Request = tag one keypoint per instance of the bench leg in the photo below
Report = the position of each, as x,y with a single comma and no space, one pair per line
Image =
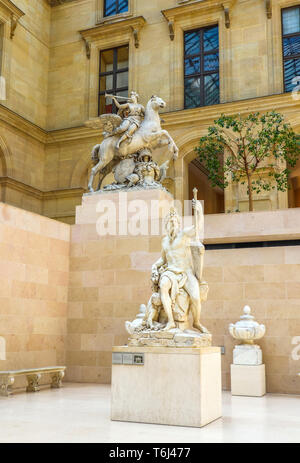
33,382
57,379
6,385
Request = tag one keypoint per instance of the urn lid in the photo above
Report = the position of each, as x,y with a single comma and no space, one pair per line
247,329
247,320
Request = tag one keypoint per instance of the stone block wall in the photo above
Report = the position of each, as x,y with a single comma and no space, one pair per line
63,303
34,273
268,280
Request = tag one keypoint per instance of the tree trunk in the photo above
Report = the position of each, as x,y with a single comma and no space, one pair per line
250,194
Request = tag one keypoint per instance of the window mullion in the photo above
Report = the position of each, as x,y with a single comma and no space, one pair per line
202,95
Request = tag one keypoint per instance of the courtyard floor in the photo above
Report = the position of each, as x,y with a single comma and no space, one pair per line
81,413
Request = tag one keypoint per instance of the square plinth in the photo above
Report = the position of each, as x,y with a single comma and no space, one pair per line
174,386
247,354
248,380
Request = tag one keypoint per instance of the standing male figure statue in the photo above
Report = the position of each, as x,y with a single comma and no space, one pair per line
175,269
132,113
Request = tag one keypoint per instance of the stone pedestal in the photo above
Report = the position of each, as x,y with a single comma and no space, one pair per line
123,207
247,354
110,275
174,386
248,380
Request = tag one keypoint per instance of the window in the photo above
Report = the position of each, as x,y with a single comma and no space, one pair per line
291,45
112,7
113,77
201,67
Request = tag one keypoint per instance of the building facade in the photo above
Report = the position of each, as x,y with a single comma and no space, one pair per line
204,58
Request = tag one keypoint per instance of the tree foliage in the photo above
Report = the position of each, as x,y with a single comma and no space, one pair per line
257,149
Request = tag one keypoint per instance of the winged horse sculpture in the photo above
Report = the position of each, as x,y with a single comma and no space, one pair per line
148,136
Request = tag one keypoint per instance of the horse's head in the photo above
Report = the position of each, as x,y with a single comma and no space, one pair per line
157,103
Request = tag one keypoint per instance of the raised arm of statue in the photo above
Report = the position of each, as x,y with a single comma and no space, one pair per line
118,105
199,217
190,232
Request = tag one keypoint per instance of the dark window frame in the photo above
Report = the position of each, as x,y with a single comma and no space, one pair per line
202,53
114,73
284,36
117,9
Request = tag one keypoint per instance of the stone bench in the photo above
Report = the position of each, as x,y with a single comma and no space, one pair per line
33,375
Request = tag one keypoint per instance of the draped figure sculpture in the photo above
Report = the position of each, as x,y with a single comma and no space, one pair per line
178,289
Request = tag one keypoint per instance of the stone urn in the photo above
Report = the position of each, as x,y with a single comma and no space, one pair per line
247,330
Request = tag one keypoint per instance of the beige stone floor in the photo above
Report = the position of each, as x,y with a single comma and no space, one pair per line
81,413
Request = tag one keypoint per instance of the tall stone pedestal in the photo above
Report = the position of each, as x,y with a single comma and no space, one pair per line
165,385
109,276
248,380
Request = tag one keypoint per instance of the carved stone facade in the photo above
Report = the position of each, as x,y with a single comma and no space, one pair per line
44,155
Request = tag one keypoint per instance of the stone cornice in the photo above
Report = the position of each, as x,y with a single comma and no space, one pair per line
113,26
13,13
12,8
191,117
184,10
39,194
58,2
15,120
281,102
192,7
188,117
70,134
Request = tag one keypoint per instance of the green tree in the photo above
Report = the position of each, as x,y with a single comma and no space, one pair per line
257,149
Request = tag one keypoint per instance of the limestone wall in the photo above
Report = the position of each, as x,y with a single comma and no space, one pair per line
27,61
110,277
268,280
34,270
61,305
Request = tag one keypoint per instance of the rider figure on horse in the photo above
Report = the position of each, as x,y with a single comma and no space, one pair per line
132,113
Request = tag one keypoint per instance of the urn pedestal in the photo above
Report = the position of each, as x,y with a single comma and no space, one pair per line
165,385
248,376
249,380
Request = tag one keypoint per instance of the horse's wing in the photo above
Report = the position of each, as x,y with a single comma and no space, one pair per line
94,123
113,119
102,121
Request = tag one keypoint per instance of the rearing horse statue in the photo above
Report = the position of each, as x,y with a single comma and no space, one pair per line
149,136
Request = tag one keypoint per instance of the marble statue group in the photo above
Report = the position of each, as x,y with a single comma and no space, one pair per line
172,314
129,137
177,289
